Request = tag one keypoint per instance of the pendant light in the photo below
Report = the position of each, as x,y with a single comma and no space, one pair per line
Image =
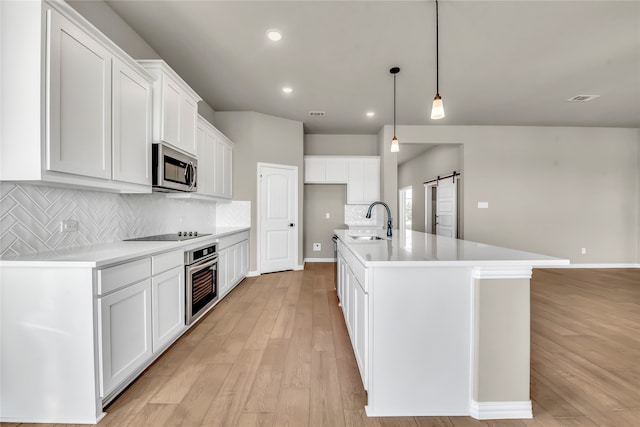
395,147
437,110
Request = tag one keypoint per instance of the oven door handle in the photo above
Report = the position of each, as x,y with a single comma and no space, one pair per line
202,265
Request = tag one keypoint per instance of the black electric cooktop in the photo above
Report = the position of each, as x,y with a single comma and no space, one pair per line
171,237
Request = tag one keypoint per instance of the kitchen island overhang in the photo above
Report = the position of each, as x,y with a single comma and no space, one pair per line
439,326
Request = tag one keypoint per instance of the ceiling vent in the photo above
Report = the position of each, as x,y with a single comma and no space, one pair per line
583,98
317,113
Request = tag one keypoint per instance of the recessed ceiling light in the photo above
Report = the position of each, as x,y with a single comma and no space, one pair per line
370,114
287,89
274,35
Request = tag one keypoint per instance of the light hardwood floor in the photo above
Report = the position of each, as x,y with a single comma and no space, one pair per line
276,352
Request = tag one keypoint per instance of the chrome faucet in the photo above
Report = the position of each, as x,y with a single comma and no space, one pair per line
389,225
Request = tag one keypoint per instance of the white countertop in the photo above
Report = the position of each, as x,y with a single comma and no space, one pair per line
104,254
412,249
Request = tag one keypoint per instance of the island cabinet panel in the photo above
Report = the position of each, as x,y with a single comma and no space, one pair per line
47,370
421,341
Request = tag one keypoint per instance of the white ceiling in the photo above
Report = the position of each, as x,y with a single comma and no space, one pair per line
501,62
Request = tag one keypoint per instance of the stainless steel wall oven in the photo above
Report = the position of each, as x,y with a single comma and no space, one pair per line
201,277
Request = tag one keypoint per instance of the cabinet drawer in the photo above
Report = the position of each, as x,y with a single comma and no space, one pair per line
166,261
112,278
231,240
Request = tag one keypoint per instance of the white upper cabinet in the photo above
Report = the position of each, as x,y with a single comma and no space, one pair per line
325,170
131,124
215,161
175,108
363,185
75,107
79,76
360,173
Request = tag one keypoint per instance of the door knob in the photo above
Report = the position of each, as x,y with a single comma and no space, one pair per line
291,225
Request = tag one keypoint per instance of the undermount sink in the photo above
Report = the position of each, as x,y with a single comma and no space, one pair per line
367,238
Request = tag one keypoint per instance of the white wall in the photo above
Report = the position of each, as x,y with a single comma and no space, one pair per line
267,139
552,190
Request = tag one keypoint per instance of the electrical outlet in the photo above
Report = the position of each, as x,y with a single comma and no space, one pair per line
317,247
327,215
68,225
583,251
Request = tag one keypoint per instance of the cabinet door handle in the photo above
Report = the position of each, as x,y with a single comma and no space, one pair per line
292,225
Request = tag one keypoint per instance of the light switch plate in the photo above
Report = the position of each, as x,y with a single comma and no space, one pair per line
483,205
327,215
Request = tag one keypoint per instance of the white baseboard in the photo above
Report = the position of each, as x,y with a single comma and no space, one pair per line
253,273
320,260
590,266
501,410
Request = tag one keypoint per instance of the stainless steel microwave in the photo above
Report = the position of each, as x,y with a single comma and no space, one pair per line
173,171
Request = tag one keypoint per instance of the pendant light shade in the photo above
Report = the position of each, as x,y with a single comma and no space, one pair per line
395,147
437,109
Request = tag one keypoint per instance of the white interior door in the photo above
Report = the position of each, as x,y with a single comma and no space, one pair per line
446,208
277,217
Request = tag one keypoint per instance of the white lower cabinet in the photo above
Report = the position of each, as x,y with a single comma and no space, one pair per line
168,292
233,264
361,328
355,307
125,321
141,305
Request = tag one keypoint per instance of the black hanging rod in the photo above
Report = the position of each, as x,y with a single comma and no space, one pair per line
440,178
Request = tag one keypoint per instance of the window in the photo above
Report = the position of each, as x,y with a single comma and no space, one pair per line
406,208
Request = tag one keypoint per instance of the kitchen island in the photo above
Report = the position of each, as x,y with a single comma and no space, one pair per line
439,326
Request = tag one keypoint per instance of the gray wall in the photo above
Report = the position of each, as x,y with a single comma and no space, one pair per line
322,199
552,190
340,145
440,160
267,139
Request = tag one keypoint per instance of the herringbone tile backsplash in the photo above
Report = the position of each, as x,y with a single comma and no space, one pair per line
30,217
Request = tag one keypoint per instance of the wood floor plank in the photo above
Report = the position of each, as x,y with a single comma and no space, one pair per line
293,407
152,415
256,419
297,371
433,422
178,385
192,410
227,407
263,395
127,406
326,403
